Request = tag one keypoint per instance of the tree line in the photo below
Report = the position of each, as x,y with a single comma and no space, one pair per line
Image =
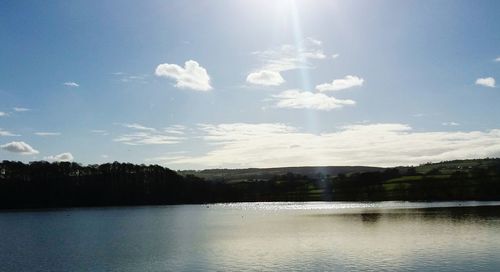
68,184
42,184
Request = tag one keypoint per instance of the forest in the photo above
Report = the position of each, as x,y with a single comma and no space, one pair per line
41,184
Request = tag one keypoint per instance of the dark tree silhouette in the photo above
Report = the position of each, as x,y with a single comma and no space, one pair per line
42,184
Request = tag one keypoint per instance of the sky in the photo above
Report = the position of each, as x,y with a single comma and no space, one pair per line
256,83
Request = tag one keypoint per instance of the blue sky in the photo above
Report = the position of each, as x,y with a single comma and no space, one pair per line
203,84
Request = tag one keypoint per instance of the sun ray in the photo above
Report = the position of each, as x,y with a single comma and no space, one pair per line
305,81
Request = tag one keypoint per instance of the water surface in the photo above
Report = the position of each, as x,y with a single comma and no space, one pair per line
315,236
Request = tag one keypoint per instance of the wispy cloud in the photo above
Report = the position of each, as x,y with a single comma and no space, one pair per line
101,132
2,114
21,148
71,84
44,133
486,82
143,135
20,109
167,157
334,56
7,133
192,76
63,157
341,84
296,99
145,138
497,59
284,58
450,124
288,57
314,41
125,77
138,127
272,144
175,129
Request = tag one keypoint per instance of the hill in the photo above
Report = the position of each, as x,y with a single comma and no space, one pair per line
252,174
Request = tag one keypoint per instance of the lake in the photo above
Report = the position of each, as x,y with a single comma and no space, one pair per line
313,236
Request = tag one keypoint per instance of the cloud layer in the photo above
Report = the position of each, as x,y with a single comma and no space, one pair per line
273,144
192,76
20,148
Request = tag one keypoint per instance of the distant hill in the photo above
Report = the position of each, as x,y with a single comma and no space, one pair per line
473,179
458,165
250,174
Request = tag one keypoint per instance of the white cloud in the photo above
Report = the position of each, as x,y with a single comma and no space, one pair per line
20,148
284,58
71,84
175,129
20,109
486,82
7,133
497,59
334,56
266,78
100,132
124,77
175,155
314,41
288,57
295,99
192,76
273,145
450,124
145,138
138,127
150,136
341,84
2,114
63,157
134,78
44,133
